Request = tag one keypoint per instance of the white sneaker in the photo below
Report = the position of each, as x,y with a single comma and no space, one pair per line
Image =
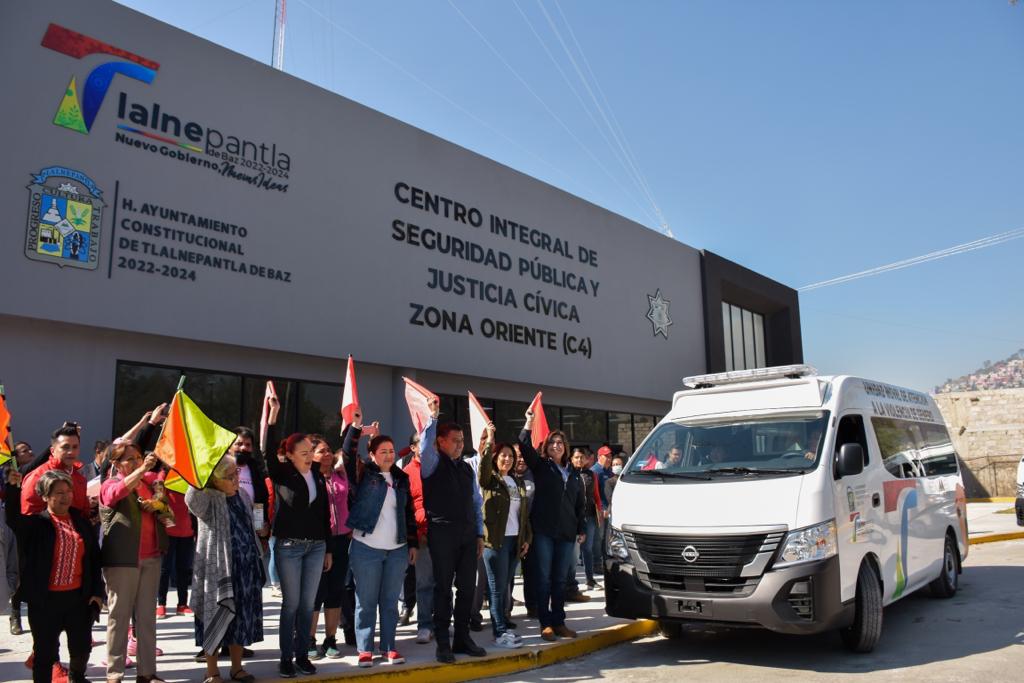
424,635
507,641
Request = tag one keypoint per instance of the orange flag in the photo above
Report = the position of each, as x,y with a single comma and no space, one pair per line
349,397
540,421
417,397
5,431
478,420
268,394
191,443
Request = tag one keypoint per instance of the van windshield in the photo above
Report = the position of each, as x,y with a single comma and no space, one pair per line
772,445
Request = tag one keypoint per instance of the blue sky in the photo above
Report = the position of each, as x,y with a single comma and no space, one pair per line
804,140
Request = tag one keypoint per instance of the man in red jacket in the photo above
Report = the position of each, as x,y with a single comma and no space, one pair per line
424,567
64,446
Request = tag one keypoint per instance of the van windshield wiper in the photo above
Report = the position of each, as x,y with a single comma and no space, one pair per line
751,470
671,475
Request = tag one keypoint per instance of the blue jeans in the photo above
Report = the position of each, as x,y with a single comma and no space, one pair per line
500,564
424,589
587,547
379,576
271,567
300,562
552,559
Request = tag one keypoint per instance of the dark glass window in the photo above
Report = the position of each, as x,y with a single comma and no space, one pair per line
620,432
585,427
218,396
140,388
319,406
642,426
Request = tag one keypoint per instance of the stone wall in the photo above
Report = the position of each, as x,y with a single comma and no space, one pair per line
988,432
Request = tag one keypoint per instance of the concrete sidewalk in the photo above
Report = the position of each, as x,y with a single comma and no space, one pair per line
175,637
987,522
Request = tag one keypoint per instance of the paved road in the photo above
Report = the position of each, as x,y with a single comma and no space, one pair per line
977,635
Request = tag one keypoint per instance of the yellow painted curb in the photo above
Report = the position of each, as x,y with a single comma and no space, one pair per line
500,664
992,538
997,499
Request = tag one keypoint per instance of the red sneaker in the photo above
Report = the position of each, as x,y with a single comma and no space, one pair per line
365,660
394,658
31,660
183,609
59,674
161,612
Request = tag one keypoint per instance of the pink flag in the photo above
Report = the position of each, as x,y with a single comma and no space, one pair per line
478,420
417,398
265,415
349,397
540,422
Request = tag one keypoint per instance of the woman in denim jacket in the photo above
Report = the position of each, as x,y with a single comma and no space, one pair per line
383,538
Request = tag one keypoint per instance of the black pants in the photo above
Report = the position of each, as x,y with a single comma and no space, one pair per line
63,611
453,553
409,589
180,551
330,594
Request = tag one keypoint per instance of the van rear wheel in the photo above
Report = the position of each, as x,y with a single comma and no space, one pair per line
863,634
945,585
672,630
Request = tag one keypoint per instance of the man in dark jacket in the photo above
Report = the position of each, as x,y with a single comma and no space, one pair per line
455,532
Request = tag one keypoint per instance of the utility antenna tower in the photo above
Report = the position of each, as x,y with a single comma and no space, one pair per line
280,19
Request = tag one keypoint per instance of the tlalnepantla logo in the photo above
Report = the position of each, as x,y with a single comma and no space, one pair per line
78,113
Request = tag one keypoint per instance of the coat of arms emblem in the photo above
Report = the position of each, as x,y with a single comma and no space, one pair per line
65,212
658,313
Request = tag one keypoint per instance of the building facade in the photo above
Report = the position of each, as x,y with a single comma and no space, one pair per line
176,208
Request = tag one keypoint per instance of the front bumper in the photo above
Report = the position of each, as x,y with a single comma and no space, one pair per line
768,606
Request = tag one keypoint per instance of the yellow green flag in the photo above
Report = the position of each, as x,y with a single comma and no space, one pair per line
191,444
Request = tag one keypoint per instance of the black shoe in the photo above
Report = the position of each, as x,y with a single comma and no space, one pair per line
200,656
16,629
305,666
405,618
511,624
466,646
476,625
444,653
286,669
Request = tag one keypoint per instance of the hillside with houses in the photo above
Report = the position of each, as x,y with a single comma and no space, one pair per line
1003,374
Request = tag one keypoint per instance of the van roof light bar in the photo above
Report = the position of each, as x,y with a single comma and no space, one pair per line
752,375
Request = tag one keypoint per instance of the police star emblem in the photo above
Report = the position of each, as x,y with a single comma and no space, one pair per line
658,313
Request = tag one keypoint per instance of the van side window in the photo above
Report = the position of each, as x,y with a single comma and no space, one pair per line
906,445
851,430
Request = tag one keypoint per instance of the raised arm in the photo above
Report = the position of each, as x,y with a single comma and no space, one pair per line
526,448
276,470
429,457
485,469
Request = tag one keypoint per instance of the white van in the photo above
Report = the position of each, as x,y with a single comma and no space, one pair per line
780,499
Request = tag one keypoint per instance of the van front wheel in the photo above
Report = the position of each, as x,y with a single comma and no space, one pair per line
863,634
949,579
672,630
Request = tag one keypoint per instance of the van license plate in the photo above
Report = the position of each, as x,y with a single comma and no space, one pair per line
700,607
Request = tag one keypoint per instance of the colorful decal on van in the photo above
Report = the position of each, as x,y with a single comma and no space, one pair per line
901,495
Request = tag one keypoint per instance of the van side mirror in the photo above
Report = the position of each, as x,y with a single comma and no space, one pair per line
850,460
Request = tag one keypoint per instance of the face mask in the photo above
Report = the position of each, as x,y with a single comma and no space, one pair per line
616,469
243,457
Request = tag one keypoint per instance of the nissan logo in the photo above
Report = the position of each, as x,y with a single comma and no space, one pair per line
690,554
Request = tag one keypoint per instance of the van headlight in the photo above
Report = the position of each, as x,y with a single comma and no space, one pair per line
811,543
616,545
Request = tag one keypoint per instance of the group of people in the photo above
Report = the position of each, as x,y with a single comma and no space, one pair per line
334,532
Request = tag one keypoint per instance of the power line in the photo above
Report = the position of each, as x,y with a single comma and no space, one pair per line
440,94
924,258
619,135
543,103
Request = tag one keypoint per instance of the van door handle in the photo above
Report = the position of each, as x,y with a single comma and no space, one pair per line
876,500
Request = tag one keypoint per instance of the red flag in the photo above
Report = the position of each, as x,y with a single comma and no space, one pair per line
540,421
265,415
349,397
417,398
478,420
